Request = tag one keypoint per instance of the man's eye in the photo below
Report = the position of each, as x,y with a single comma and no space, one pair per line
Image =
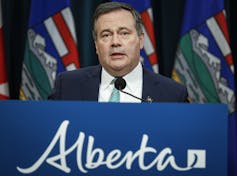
124,33
105,35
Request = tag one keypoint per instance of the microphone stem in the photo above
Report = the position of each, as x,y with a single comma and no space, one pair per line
133,96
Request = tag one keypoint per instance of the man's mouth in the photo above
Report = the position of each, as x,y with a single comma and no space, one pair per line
117,54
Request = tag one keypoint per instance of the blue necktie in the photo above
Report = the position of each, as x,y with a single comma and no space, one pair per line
115,96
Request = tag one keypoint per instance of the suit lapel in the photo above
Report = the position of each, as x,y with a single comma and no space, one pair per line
92,83
150,86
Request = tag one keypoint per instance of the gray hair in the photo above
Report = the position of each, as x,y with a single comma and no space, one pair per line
113,6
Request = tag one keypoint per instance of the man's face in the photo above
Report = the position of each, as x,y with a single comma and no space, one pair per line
118,44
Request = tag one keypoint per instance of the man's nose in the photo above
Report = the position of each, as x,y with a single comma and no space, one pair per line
116,41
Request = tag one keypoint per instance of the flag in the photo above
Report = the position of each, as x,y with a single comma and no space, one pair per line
51,47
149,56
204,63
4,92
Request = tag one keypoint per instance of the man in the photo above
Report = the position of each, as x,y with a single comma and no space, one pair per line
118,38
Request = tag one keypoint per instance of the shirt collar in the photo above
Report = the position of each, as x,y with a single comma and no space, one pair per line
106,79
131,78
134,77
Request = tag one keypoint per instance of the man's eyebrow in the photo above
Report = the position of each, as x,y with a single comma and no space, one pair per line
124,28
105,30
119,29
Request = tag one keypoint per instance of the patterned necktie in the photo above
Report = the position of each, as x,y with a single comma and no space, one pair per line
115,96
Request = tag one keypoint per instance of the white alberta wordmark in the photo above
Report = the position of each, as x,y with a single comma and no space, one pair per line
95,157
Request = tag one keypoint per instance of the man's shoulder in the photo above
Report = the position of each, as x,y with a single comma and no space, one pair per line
163,83
158,78
163,88
85,71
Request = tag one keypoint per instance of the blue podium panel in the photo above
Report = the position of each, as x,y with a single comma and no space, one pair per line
104,139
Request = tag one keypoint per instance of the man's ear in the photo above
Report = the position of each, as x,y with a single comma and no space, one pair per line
141,38
96,47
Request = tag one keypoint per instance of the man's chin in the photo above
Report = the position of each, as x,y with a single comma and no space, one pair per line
119,71
118,67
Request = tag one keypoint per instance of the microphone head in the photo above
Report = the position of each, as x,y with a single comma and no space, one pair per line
120,83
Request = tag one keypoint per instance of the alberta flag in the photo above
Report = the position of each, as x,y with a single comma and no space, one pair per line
4,92
204,63
51,47
149,56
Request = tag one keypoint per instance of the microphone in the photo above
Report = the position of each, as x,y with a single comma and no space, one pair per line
120,84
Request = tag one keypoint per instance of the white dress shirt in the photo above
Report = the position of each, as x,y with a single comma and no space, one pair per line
134,86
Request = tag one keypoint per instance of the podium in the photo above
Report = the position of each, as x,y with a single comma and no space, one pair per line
112,139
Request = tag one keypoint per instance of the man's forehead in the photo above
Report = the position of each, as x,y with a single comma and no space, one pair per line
119,19
117,15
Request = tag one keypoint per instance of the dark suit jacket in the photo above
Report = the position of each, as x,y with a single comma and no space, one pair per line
83,84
